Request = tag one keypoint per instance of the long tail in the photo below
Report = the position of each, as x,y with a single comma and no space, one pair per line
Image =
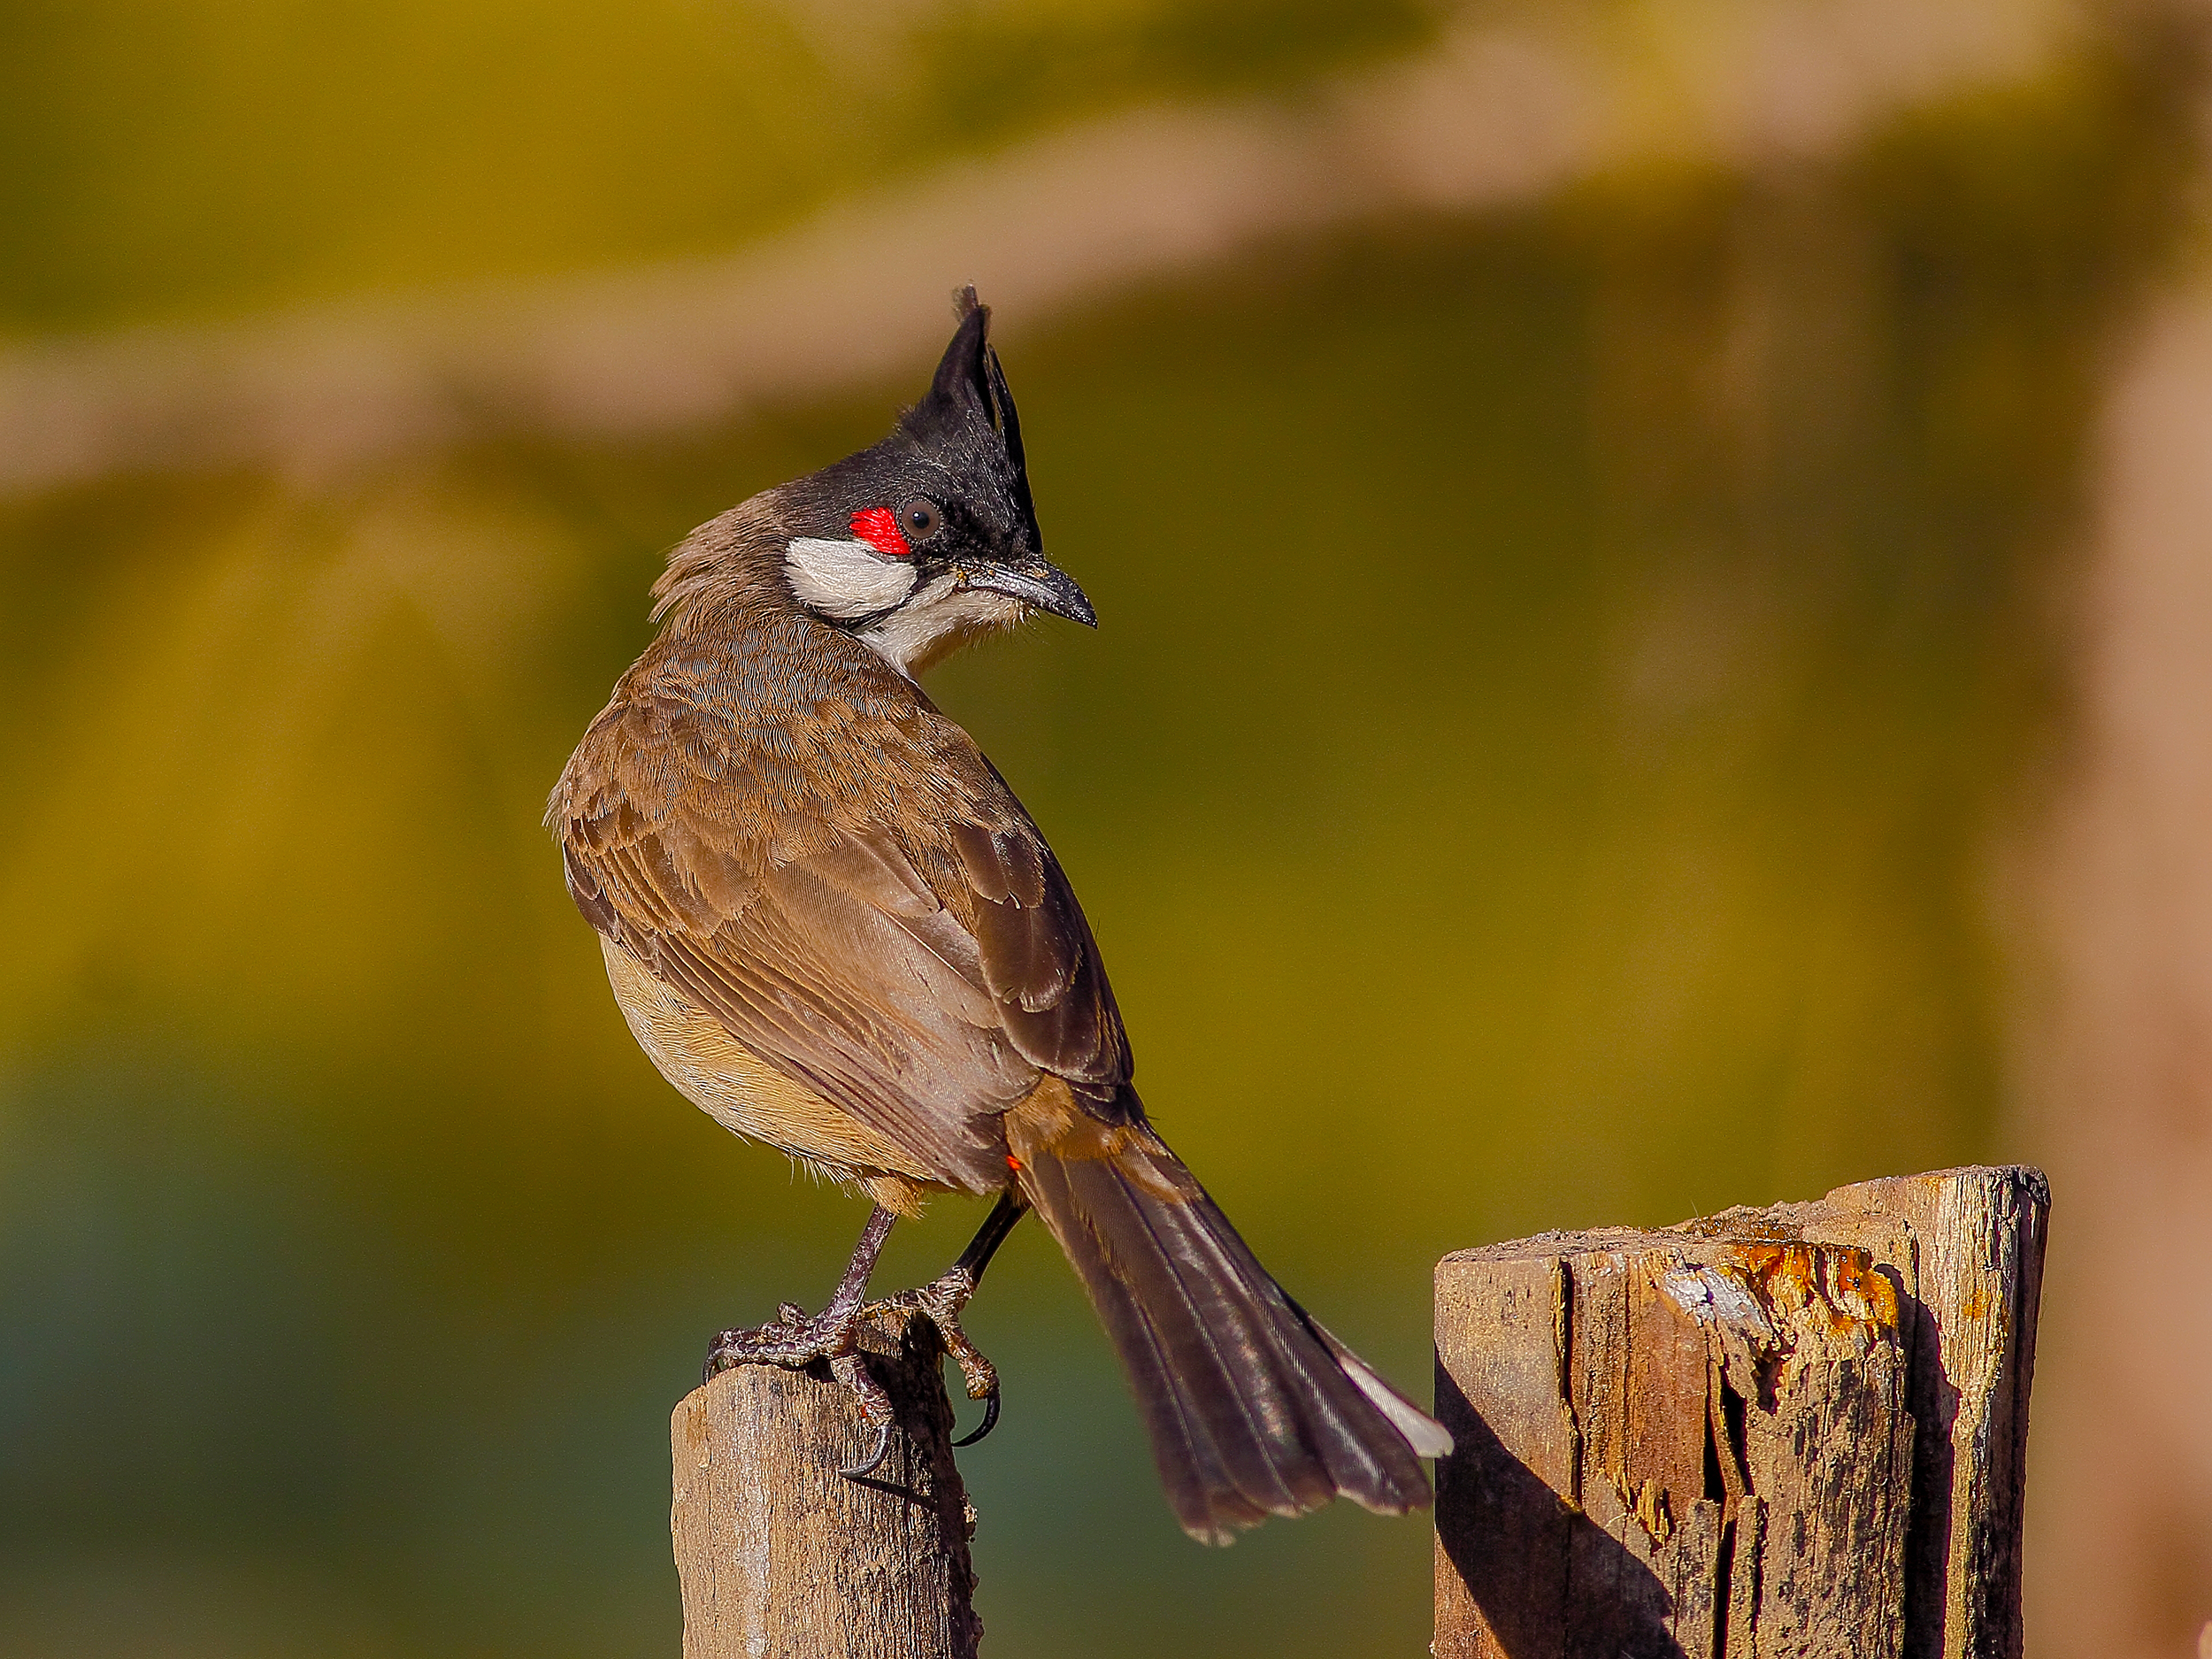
1253,1409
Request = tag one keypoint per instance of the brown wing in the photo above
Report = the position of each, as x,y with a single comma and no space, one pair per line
859,898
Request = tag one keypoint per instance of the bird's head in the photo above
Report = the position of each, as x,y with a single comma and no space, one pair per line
929,538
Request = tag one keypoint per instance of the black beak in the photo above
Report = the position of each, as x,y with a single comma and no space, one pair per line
1038,583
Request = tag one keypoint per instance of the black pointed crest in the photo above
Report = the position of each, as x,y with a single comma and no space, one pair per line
970,386
963,366
1010,429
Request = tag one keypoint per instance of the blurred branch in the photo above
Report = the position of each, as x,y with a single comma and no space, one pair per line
2115,1047
1491,118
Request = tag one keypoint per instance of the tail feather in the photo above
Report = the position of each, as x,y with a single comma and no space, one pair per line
1253,1409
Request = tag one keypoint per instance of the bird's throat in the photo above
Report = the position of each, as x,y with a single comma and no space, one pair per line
940,618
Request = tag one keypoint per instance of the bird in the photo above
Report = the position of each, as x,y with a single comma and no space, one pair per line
832,925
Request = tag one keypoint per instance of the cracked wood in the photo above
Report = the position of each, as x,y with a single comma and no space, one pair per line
1788,1432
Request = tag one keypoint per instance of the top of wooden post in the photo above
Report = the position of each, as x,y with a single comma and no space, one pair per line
778,1553
1929,1281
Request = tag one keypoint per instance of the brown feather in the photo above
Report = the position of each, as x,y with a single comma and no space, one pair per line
1251,1411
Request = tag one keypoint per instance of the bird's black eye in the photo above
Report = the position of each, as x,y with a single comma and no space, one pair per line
920,518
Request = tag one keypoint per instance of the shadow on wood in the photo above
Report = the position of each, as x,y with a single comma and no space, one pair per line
1790,1431
778,1554
1496,1516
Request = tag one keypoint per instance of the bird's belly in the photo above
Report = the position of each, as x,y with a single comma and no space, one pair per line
746,1095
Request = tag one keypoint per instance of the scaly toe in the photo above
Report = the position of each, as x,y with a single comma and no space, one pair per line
791,1339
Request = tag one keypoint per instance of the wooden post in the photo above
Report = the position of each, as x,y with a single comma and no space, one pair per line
1797,1430
780,1554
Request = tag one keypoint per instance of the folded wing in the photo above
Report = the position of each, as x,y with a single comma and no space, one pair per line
920,963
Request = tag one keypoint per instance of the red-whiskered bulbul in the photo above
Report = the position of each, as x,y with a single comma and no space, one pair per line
832,927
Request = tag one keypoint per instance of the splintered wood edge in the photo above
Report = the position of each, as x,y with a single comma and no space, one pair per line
1802,1220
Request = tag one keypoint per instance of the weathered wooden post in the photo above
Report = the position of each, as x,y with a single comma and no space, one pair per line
780,1556
1796,1431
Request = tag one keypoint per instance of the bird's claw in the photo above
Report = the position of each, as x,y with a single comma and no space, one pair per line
874,1461
990,1422
939,1302
794,1338
851,1369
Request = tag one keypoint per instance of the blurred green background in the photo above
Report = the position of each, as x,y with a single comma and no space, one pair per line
1570,683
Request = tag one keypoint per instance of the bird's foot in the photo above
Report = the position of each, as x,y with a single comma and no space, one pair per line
794,1339
939,1302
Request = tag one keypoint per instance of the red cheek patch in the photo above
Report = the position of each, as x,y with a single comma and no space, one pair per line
879,527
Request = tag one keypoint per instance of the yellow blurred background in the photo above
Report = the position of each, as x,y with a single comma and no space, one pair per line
1656,627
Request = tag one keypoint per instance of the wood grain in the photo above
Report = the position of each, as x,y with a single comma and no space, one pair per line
780,1554
1786,1432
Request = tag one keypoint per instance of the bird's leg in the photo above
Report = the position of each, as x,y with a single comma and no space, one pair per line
940,1301
791,1339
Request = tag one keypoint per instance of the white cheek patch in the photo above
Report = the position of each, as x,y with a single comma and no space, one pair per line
845,579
